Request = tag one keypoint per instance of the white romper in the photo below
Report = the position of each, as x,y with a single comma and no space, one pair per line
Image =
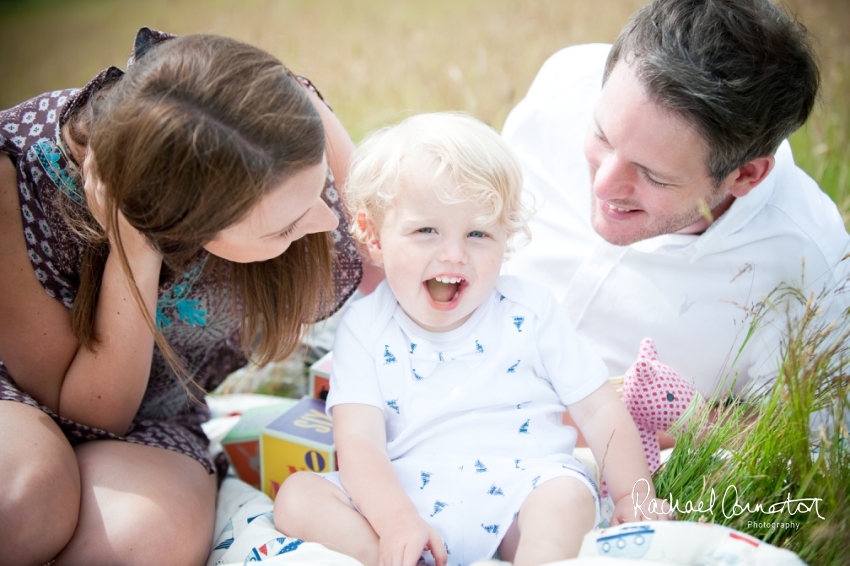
473,414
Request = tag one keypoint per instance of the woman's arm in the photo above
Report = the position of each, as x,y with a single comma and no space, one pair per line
337,141
339,150
614,440
369,478
36,342
101,389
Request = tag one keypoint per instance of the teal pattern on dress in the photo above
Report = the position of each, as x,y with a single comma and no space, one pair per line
187,309
49,155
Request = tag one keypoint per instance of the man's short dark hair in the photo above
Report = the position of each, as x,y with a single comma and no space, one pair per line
741,71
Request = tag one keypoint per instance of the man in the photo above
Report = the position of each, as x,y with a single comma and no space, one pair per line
667,202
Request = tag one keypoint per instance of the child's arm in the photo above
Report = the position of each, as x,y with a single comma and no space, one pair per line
616,445
368,477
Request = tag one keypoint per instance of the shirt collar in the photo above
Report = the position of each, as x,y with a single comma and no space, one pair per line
737,217
427,350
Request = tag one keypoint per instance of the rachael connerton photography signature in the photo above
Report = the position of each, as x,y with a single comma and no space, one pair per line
731,504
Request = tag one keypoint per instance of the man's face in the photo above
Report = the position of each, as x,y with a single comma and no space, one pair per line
647,167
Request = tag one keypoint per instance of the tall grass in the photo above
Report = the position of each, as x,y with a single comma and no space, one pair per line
378,61
783,456
822,146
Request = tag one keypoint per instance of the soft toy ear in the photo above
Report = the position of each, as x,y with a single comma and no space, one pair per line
647,350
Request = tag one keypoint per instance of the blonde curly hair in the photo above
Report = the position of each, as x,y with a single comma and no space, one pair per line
473,155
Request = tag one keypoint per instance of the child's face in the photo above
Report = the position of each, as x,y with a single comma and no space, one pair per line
422,240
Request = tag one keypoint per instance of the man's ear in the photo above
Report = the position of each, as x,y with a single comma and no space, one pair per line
373,240
747,177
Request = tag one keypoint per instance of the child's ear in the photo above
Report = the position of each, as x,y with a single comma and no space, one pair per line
373,240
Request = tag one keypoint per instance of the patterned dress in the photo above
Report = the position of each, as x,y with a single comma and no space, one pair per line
193,310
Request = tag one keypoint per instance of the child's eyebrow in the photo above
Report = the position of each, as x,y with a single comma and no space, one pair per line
418,221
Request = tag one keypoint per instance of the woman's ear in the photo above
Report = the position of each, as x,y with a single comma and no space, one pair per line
373,240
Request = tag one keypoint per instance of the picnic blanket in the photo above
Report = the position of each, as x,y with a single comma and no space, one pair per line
244,529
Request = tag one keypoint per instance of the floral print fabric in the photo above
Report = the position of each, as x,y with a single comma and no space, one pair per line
194,310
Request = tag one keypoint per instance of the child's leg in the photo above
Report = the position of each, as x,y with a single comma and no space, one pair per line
551,523
311,508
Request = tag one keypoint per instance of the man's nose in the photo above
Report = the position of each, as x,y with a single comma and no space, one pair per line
614,179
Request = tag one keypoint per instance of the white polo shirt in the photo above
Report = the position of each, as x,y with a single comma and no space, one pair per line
687,292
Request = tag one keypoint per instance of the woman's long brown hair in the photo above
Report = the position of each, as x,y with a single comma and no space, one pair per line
186,143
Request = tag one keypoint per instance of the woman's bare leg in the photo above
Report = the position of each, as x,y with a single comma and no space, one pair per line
311,508
551,524
141,505
40,495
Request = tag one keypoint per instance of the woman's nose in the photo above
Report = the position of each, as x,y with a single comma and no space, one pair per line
321,219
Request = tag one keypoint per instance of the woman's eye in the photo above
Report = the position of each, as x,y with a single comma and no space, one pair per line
477,234
286,233
426,230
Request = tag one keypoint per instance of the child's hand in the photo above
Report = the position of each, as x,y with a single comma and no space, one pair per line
403,542
628,510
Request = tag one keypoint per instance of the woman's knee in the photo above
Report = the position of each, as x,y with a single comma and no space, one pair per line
141,505
40,499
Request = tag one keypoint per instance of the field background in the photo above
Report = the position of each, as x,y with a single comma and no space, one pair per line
377,61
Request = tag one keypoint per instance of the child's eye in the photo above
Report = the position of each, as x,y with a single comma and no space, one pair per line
426,230
477,234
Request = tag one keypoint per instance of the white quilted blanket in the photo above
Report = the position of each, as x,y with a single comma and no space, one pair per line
244,529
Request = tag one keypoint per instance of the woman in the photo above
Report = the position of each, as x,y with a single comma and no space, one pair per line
177,216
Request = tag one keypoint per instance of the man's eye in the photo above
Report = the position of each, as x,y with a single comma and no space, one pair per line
426,230
477,234
653,182
600,137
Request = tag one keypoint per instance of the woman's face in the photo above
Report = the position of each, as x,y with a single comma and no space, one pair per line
288,212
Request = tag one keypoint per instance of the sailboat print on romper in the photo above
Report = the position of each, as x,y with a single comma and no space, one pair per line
439,506
523,429
389,358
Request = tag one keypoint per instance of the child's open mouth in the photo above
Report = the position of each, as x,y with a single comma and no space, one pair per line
445,291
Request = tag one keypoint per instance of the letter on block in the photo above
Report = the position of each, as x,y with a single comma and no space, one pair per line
300,440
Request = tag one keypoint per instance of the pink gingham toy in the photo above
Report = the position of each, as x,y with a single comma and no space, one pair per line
656,397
